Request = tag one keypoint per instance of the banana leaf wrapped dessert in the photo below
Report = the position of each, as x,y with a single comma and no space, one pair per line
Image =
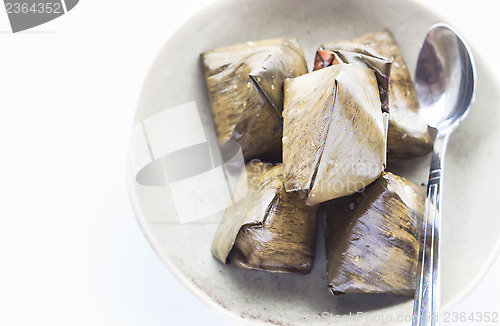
334,137
245,89
408,134
362,56
270,229
372,238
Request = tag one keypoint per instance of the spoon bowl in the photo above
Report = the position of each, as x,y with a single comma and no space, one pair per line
445,78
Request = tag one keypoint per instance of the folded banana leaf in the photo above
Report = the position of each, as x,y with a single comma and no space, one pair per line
270,229
334,137
245,89
372,238
363,56
408,134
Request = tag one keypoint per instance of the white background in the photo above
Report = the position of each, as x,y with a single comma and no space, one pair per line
71,252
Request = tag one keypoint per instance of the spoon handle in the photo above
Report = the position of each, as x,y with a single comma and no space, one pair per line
428,290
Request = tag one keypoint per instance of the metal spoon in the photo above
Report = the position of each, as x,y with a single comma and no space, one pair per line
445,82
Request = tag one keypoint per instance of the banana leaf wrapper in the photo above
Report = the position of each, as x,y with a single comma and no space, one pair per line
269,229
408,134
372,238
245,90
362,56
334,138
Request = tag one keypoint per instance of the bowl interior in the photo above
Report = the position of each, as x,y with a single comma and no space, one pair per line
470,227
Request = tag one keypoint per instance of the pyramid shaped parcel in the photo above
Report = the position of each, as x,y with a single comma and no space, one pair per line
334,136
245,89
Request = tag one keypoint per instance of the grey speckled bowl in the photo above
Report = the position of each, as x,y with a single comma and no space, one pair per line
470,219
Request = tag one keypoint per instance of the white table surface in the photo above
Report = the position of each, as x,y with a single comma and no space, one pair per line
71,252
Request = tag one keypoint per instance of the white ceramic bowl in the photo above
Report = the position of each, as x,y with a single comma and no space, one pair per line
470,222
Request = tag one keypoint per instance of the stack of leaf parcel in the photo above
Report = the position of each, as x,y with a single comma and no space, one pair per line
318,143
